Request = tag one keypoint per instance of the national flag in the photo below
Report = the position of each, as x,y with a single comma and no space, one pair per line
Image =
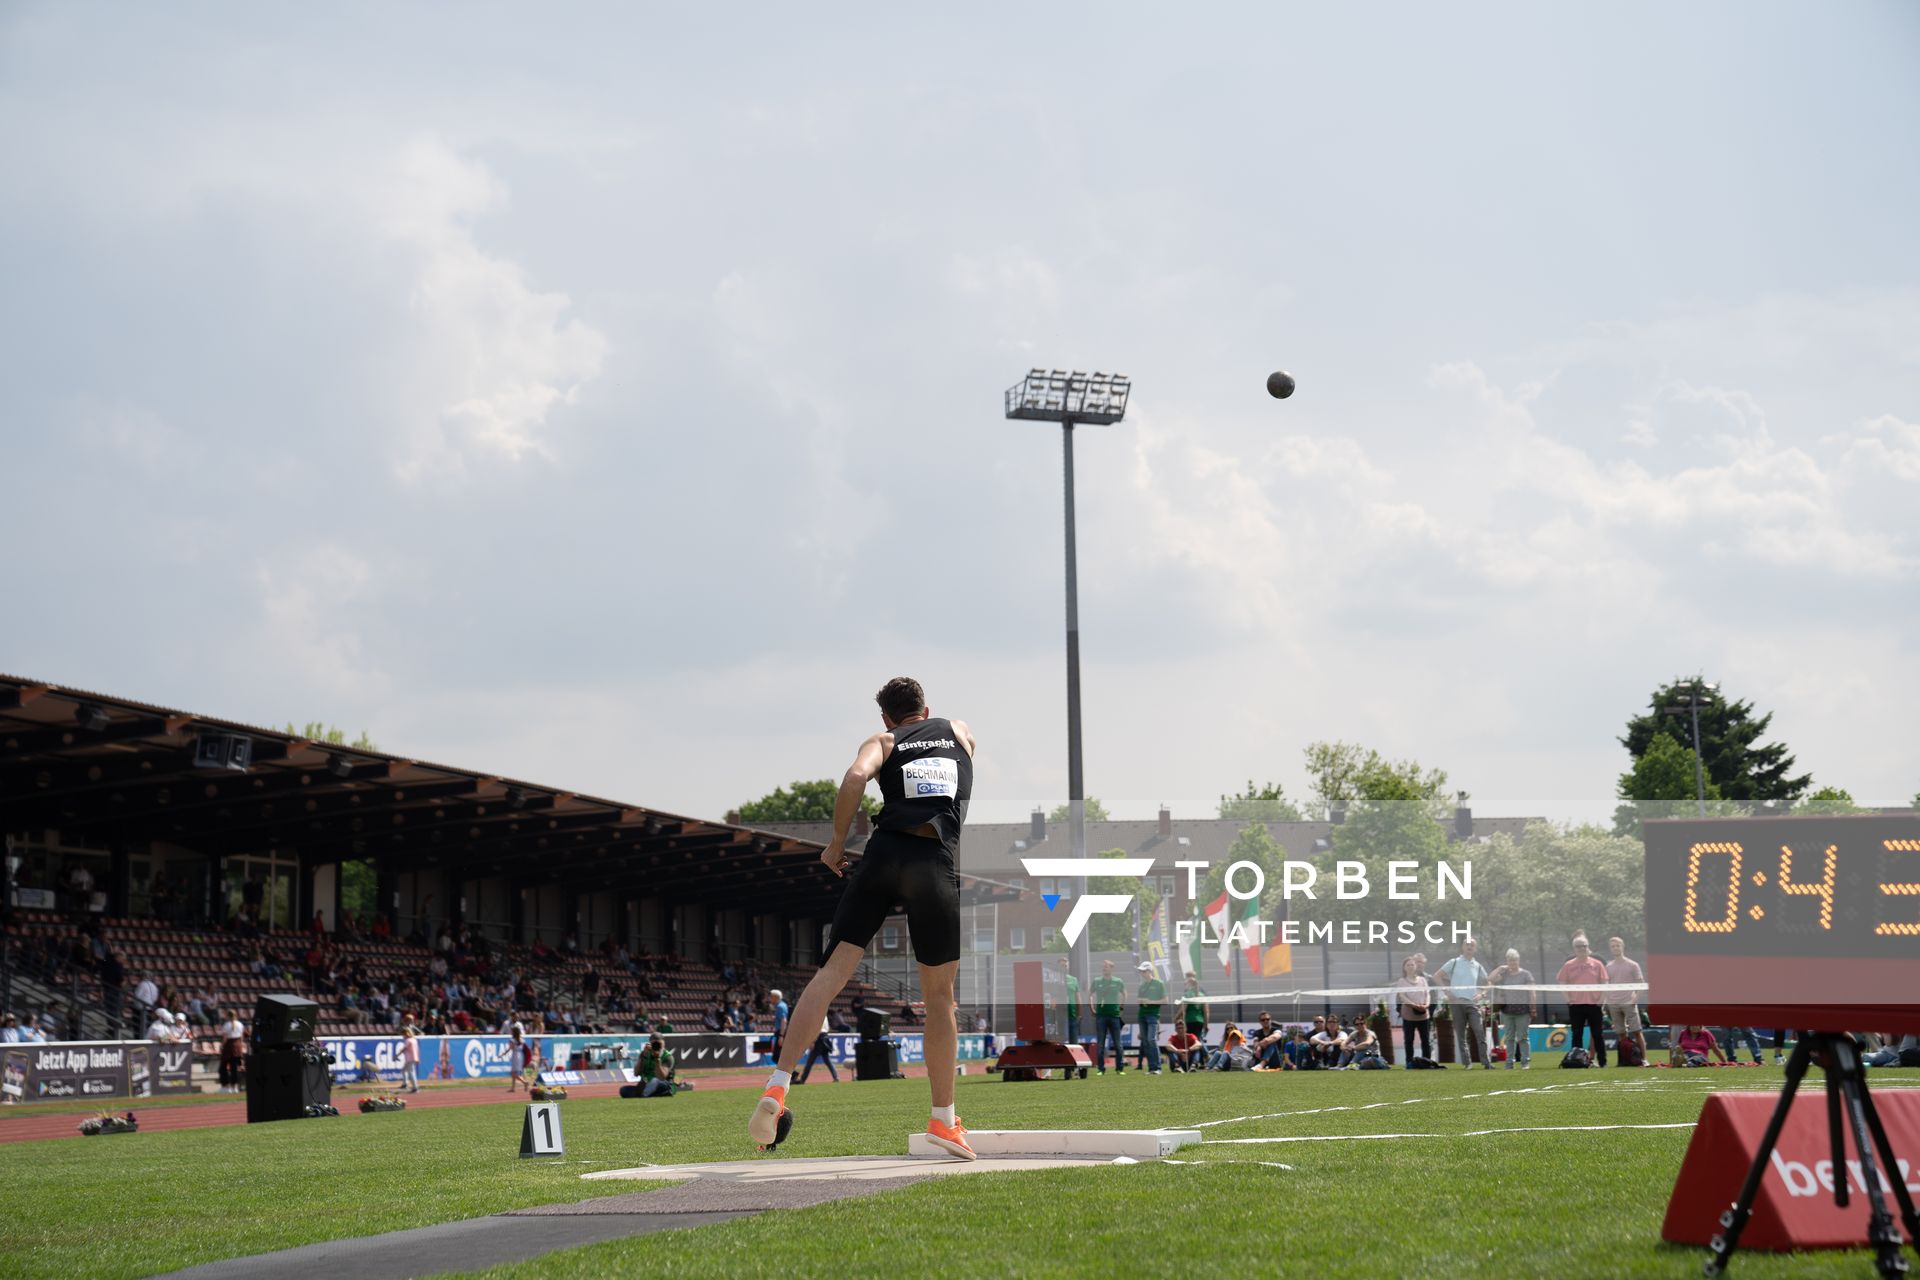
1224,913
1279,956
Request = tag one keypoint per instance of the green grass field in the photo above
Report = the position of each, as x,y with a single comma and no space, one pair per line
1454,1201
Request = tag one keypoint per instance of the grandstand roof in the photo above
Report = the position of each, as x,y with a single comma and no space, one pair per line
110,768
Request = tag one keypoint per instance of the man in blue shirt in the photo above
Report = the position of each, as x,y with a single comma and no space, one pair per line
779,1019
1464,979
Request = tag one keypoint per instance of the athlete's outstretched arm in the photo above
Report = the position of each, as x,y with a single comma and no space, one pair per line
866,763
964,732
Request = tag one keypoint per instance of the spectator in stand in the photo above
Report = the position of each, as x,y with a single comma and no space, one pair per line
1517,1009
160,1029
318,925
1695,1045
713,1019
1410,991
233,1050
1184,1049
1583,1010
112,974
203,1007
1623,1007
382,929
146,994
9,1029
1109,993
1464,979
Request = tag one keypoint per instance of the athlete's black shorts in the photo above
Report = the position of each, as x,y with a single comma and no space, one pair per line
897,870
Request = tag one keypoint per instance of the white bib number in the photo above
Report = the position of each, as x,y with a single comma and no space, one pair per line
935,776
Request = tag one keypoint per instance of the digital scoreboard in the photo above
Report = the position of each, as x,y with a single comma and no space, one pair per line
1810,923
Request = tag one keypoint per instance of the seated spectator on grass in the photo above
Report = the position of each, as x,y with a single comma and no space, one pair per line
1232,1053
1361,1042
1330,1045
1184,1049
1266,1041
1695,1045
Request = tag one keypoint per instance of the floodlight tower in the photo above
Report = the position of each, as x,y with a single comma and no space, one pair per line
1072,399
1691,695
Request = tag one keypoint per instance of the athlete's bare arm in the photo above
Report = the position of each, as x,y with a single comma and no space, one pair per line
866,763
965,735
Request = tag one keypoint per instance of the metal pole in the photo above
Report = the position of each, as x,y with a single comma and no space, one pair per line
1699,776
1076,790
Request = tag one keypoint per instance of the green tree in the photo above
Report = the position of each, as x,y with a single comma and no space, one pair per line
1661,777
1730,733
804,802
1533,891
333,735
1344,774
1096,812
1260,804
1115,933
1828,800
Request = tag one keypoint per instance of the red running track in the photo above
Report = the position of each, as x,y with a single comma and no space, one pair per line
21,1123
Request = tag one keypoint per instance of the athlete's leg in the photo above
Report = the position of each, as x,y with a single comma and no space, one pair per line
828,983
940,1037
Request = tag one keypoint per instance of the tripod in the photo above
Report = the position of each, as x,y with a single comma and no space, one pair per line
1847,1104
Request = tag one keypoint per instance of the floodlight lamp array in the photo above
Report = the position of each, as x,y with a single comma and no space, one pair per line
1057,395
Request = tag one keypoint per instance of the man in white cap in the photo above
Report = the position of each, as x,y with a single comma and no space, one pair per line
161,1028
1153,994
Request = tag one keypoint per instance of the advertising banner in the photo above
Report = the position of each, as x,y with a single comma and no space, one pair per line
92,1069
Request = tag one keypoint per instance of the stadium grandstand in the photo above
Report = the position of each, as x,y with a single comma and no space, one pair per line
158,858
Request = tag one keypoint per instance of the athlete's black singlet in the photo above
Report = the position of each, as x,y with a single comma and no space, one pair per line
927,778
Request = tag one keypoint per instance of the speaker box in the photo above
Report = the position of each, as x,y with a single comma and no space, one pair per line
875,1024
283,1020
283,1082
876,1060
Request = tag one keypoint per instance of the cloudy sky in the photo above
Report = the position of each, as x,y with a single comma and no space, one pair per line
610,395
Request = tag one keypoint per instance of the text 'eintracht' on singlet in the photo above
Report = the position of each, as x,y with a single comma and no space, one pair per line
927,778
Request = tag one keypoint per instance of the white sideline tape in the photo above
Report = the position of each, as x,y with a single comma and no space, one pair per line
1471,1133
1354,993
1404,1102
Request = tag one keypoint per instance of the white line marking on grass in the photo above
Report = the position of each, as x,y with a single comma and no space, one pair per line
1471,1133
1407,1102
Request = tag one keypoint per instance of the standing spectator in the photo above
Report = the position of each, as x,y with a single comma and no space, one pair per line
1583,1010
233,1049
1153,994
410,1058
820,1051
1464,979
780,1016
160,1030
1516,1009
145,995
1736,1036
519,1058
112,975
1623,1007
1416,1007
1109,993
80,882
1073,1000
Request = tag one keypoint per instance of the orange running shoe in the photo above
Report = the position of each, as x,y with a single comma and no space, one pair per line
951,1138
771,1120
